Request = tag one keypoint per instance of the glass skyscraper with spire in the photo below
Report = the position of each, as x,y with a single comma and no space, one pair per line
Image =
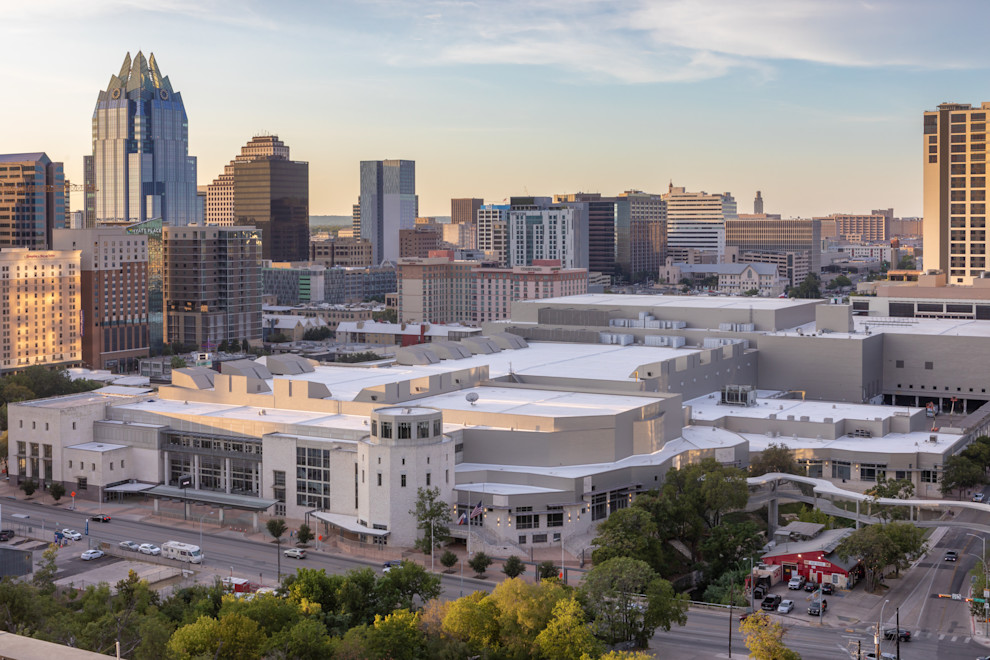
141,169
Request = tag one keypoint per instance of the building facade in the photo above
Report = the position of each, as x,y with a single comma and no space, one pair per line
420,240
294,284
114,328
141,164
338,251
220,193
493,233
696,220
539,230
212,285
762,233
41,303
33,200
601,229
873,228
640,233
954,169
464,210
388,203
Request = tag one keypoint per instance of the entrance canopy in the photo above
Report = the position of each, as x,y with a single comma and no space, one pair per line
348,523
246,502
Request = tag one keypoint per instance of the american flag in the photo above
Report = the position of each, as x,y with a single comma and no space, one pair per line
478,510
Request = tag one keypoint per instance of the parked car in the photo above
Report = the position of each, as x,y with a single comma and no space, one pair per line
149,549
785,606
71,534
884,655
92,554
296,553
796,582
827,588
891,633
771,602
811,586
817,607
129,545
389,565
951,555
6,535
101,517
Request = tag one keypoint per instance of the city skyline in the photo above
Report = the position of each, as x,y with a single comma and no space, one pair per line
818,105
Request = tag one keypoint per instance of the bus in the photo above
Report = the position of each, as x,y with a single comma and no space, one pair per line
182,552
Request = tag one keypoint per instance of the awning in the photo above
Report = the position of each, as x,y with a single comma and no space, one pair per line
133,487
347,522
248,502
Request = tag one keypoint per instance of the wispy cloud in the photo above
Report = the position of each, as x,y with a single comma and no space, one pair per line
641,41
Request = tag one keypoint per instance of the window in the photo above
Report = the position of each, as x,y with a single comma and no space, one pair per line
522,539
871,471
539,538
422,429
555,519
73,426
70,465
929,365
526,521
929,477
402,480
599,506
81,483
427,478
386,430
899,364
405,431
374,427
379,478
841,470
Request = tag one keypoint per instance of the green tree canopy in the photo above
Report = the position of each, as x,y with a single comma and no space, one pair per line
775,458
764,638
432,519
960,473
881,546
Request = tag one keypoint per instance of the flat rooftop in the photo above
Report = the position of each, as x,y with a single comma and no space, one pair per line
708,408
536,403
66,401
97,446
892,443
695,302
595,361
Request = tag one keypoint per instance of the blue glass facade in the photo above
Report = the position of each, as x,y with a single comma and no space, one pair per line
140,166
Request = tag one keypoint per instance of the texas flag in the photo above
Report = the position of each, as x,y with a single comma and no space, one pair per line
462,518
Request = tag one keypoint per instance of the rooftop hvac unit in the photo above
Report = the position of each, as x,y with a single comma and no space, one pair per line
738,395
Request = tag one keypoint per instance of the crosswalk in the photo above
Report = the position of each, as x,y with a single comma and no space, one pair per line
924,634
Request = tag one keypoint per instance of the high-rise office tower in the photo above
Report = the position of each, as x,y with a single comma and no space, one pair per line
33,200
640,234
212,285
493,232
220,193
540,230
696,220
141,168
464,209
758,204
601,229
388,203
271,193
114,274
89,206
955,145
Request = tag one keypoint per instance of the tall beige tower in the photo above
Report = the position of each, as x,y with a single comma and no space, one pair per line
955,143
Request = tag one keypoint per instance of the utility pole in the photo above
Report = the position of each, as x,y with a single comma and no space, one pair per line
731,586
898,624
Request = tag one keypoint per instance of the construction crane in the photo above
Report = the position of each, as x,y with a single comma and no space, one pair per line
72,187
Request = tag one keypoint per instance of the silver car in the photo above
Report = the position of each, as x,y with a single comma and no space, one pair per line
129,545
149,549
71,534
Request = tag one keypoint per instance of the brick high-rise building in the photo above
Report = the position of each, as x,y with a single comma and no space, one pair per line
420,240
872,228
33,200
465,209
955,185
348,252
40,306
212,285
220,193
114,295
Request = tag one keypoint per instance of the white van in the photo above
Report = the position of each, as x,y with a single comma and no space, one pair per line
182,552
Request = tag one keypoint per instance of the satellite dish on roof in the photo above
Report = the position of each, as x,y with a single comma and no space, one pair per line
471,397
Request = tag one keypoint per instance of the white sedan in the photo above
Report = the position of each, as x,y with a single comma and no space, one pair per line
92,554
149,549
785,606
129,545
72,534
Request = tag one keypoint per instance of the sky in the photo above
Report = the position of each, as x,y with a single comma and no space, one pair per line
817,104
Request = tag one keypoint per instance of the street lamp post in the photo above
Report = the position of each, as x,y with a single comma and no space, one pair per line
876,637
201,528
432,545
986,585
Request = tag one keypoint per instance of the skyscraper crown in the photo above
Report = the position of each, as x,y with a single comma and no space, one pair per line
138,78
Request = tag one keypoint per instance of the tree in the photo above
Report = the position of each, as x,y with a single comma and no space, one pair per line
234,636
727,544
808,514
29,486
899,489
629,601
306,640
399,588
513,567
809,288
960,473
178,362
524,609
277,528
388,315
881,546
318,334
56,490
245,346
629,532
396,636
547,570
278,338
44,575
567,636
479,563
710,282
474,619
304,535
432,519
764,638
751,292
448,559
906,263
775,458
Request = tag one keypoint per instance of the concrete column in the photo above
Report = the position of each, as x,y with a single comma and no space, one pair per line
254,521
166,469
186,509
226,474
195,467
772,514
220,512
857,514
155,503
